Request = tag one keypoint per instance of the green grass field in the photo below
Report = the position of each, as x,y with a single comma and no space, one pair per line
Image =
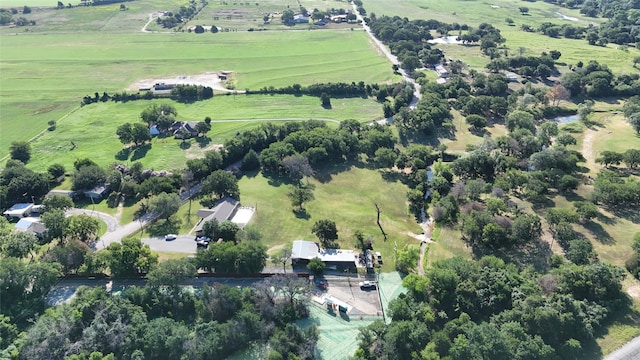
92,128
348,199
45,76
474,12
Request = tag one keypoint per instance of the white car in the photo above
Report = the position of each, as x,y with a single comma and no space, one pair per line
170,237
367,285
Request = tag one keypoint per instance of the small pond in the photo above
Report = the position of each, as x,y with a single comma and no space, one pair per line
453,39
565,119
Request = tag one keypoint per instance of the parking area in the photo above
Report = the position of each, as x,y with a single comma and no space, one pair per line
346,292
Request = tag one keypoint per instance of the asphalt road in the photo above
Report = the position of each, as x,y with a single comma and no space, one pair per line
182,244
630,351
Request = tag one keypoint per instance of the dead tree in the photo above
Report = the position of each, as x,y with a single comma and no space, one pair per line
378,222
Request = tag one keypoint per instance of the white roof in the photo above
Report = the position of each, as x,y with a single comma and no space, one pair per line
337,255
19,209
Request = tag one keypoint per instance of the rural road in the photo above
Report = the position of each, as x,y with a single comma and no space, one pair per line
630,351
394,60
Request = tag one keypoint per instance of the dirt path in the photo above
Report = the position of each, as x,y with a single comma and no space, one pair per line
425,238
119,210
144,28
587,148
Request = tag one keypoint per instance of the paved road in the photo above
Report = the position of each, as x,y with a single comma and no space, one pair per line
182,244
112,222
630,351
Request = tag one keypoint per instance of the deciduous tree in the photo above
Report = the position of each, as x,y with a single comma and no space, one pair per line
326,232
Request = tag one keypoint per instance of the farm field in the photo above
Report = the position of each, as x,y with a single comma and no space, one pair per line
44,77
93,127
476,12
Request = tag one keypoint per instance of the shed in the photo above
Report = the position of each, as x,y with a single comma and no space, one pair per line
68,193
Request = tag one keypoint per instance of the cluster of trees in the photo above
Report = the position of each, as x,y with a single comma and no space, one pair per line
597,80
6,17
618,29
463,309
184,14
631,110
611,189
633,264
540,67
184,93
631,158
191,92
407,40
199,29
336,90
247,257
21,184
160,321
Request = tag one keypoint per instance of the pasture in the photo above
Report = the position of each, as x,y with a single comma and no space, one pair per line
92,127
45,76
475,12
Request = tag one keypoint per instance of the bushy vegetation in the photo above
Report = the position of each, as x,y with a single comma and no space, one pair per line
463,309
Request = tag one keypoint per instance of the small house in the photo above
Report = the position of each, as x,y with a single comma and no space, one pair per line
32,225
222,211
300,19
442,71
184,129
303,251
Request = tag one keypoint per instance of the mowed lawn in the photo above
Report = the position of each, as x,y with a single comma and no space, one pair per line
45,76
348,199
92,128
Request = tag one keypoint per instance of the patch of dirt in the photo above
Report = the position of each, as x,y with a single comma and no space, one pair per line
421,237
197,152
210,79
634,291
587,148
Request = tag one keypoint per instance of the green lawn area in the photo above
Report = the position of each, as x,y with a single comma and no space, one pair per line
348,199
463,136
92,128
447,244
44,77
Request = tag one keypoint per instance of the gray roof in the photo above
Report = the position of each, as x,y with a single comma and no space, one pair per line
303,249
223,211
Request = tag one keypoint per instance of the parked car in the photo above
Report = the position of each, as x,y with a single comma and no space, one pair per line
321,283
379,257
367,285
169,237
